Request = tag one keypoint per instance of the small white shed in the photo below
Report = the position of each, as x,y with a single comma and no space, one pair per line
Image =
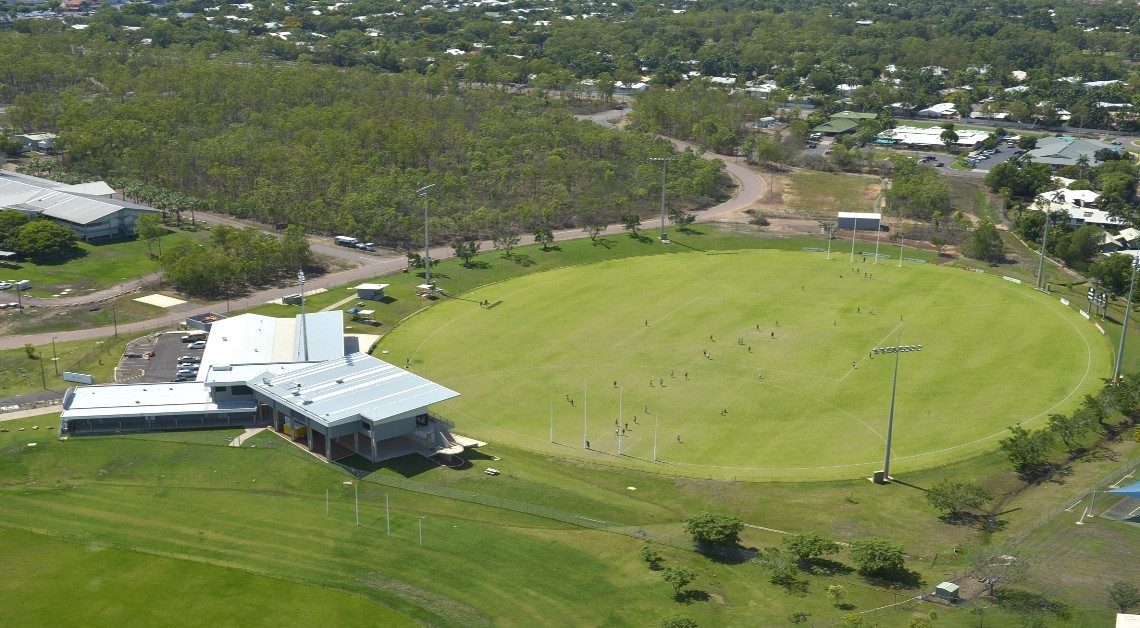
371,291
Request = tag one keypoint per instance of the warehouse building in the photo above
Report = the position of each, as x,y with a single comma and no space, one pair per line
85,207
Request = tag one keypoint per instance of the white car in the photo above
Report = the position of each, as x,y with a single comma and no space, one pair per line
201,344
4,285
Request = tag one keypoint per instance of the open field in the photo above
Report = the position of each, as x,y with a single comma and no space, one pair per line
100,266
196,508
822,194
788,358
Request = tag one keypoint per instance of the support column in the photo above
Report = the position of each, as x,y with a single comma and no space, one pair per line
356,442
328,444
372,437
309,433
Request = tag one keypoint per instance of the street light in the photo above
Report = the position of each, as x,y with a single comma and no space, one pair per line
1044,239
1124,330
664,161
304,327
423,193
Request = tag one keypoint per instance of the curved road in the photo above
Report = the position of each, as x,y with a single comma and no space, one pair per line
750,189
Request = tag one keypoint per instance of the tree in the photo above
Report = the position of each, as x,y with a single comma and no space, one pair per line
30,351
1027,450
986,244
1124,595
956,497
631,223
504,235
44,240
1113,272
415,260
149,227
836,593
714,528
877,557
808,545
294,251
678,577
10,222
543,235
1069,427
683,219
948,136
594,228
651,556
677,620
465,250
998,564
1027,142
781,567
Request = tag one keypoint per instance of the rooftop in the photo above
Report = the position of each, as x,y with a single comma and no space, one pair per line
351,388
192,398
257,339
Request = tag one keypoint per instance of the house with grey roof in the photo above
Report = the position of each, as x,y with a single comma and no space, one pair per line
85,207
1066,150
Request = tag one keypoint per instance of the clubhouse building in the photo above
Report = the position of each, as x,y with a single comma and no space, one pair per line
254,373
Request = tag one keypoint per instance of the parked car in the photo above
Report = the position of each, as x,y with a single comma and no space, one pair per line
201,344
183,377
189,358
4,285
193,336
132,354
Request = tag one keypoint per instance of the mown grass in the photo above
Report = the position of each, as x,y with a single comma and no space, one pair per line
97,267
260,510
789,390
20,375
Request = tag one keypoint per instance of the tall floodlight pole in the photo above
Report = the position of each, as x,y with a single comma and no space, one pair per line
423,193
387,515
619,420
830,234
891,412
552,419
304,326
356,497
585,418
1124,330
878,232
902,245
854,230
656,422
1041,261
54,357
664,161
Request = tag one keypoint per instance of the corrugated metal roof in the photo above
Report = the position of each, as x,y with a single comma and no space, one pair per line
59,201
257,339
348,389
325,332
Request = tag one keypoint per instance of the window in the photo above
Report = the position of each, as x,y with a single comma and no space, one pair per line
242,390
221,389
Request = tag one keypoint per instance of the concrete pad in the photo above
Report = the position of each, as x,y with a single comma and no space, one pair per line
160,300
360,342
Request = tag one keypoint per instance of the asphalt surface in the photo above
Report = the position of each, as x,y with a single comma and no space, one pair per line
750,189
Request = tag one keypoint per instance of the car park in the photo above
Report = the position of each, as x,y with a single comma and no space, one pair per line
198,345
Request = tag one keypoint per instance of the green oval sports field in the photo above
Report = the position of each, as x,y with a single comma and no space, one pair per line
753,364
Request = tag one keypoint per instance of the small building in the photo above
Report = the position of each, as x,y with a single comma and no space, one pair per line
203,322
43,142
943,110
766,122
371,291
858,221
947,591
836,126
1081,206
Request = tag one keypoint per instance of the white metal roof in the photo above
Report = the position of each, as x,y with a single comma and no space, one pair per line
242,373
59,201
372,286
145,399
352,388
94,188
257,339
860,215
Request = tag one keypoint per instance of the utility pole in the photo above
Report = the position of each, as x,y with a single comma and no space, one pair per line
423,193
664,161
304,325
1124,330
54,357
854,230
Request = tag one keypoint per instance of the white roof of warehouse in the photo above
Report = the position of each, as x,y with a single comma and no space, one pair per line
242,373
860,215
348,389
59,201
146,399
257,339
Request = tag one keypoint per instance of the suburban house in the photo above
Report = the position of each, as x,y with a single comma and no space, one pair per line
85,207
843,122
946,110
1066,150
43,142
1080,205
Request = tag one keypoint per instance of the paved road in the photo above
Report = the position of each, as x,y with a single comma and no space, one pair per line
750,189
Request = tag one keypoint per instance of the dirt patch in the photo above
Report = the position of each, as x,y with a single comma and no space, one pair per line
451,610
